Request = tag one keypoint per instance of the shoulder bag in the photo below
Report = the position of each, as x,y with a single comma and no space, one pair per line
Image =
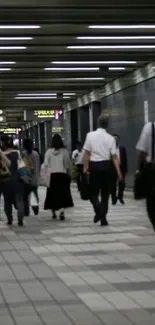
142,184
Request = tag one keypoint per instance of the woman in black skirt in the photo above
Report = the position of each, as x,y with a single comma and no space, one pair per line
57,161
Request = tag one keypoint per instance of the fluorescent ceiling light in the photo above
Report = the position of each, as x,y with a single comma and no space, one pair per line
7,62
69,94
39,94
36,97
94,62
116,37
19,26
22,38
116,68
110,47
66,97
12,47
5,69
80,79
72,69
122,26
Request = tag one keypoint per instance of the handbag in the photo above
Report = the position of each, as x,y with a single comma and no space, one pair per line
85,188
142,184
45,176
23,172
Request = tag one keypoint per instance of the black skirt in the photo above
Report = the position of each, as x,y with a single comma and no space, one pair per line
58,195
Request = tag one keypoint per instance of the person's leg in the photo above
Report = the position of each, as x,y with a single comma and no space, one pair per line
78,178
150,205
35,207
62,214
94,192
8,200
54,215
114,189
121,188
105,192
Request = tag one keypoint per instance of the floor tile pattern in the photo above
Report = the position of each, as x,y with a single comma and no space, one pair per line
75,272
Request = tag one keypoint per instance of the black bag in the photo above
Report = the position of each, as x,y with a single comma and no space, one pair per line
84,188
142,185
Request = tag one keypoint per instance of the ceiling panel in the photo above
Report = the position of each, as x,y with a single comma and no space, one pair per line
61,22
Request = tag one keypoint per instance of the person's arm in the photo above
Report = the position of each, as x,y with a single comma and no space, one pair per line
5,159
142,146
87,153
67,162
46,159
115,159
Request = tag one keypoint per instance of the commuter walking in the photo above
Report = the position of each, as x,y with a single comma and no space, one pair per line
123,161
146,168
100,148
13,187
77,157
32,160
58,164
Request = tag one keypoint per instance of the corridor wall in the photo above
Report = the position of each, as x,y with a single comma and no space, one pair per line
126,111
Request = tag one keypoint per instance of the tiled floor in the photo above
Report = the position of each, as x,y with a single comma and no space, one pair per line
74,272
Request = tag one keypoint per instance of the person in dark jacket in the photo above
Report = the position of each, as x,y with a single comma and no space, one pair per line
122,156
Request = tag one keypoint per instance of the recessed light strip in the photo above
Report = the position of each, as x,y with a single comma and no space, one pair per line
80,79
39,94
12,47
94,62
12,38
7,62
110,47
36,97
19,26
72,69
116,38
116,68
5,69
69,94
122,26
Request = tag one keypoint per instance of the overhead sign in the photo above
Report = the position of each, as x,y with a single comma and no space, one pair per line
10,130
42,114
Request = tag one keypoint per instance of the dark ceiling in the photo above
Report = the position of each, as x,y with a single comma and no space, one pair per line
61,22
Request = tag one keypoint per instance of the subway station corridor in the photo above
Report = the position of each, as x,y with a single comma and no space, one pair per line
77,273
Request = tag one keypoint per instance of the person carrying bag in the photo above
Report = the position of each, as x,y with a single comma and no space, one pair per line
144,185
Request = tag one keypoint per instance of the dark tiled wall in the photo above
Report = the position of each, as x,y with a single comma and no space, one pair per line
126,110
84,122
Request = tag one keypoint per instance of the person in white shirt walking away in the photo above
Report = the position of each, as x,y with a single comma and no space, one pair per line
77,157
100,148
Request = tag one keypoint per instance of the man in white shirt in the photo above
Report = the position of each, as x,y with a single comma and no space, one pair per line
146,148
77,157
100,148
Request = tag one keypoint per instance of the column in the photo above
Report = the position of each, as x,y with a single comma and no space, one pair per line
42,137
84,122
74,128
96,111
67,130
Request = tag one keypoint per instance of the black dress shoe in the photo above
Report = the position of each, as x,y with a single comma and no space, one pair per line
9,222
121,201
62,216
104,222
20,223
96,219
114,201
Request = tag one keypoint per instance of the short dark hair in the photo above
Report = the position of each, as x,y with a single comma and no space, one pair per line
28,145
79,143
7,142
103,121
57,142
116,135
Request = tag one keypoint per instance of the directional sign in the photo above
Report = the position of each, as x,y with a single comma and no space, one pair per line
42,115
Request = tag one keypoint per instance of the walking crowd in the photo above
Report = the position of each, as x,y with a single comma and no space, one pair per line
101,167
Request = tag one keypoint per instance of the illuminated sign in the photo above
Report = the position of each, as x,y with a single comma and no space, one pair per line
42,114
57,129
10,130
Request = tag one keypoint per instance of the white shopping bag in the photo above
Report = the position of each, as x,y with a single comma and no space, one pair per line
45,175
33,200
